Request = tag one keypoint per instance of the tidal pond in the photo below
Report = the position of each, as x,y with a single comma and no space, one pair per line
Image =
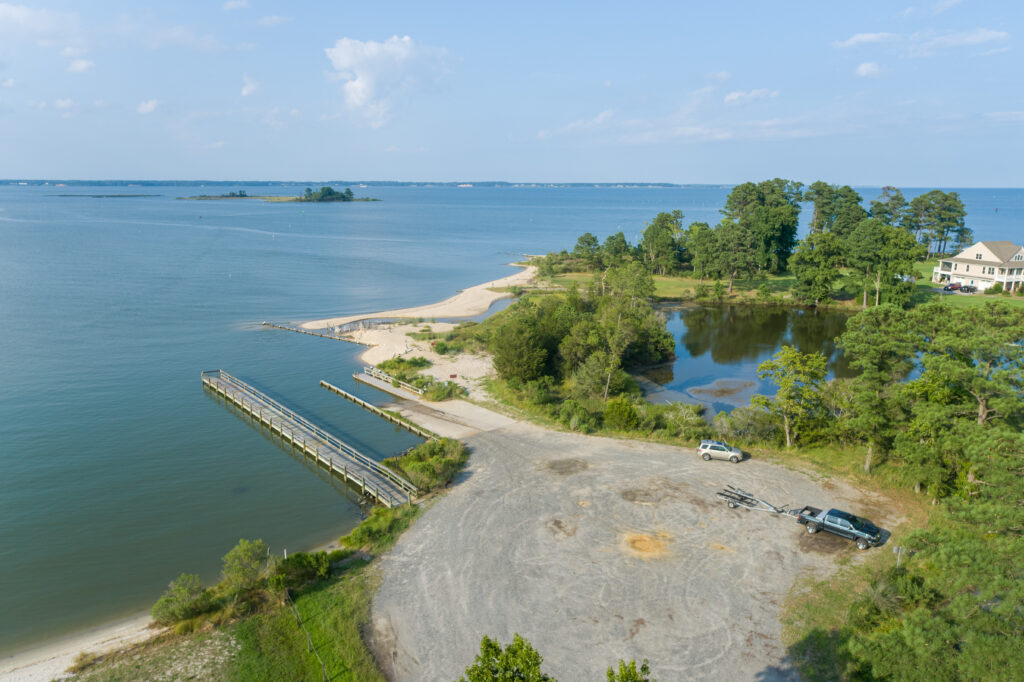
718,349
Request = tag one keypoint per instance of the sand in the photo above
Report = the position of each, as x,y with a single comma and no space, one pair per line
468,302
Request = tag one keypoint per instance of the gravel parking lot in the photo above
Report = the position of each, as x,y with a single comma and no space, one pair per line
597,549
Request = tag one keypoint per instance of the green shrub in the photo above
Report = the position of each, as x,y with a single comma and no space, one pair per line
750,424
576,416
244,565
996,288
621,415
718,290
432,464
301,568
381,528
185,598
437,391
701,291
764,294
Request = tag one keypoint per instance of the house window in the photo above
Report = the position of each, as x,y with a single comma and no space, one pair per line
955,266
967,268
1019,257
977,256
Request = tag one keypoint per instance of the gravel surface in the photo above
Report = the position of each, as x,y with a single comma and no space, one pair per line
597,549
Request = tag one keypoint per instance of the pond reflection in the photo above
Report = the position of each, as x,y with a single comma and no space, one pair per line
718,349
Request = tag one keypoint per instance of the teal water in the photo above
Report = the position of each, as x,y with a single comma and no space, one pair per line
117,472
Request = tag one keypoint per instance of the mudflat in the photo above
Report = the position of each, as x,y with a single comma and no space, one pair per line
596,549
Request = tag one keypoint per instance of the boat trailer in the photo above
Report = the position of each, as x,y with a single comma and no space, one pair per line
735,497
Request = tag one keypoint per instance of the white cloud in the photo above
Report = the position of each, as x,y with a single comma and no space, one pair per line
293,112
72,52
19,21
7,83
216,145
273,20
594,123
376,74
234,4
943,5
741,97
63,104
36,105
865,39
718,75
868,69
80,65
1006,115
924,44
996,50
249,87
147,107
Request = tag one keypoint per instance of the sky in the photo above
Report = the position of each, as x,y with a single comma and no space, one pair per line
924,94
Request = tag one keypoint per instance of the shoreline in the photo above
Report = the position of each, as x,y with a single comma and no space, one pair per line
471,301
50,659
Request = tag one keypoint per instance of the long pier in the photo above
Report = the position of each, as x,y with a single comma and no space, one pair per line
371,477
383,414
297,330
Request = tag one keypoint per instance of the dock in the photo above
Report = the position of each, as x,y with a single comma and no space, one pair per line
383,414
372,478
297,330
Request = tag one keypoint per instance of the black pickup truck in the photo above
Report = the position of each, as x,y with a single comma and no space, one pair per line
862,531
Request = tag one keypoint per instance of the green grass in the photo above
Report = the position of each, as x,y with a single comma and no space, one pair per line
379,531
925,291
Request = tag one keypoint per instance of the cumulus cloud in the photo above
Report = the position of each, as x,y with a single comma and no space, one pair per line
865,39
868,69
147,107
925,44
63,104
376,74
249,86
581,125
80,65
20,21
234,4
273,20
745,97
718,75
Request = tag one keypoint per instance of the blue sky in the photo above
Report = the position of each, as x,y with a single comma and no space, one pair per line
929,93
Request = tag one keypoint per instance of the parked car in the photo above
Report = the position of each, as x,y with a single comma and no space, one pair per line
716,449
844,524
955,286
968,289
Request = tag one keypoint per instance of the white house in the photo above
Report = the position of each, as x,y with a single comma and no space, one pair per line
984,264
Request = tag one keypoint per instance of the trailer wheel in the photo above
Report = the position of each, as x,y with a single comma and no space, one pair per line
862,543
707,457
812,527
734,459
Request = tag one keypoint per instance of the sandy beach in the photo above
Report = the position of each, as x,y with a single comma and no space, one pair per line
468,302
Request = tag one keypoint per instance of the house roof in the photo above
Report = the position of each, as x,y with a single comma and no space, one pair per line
1002,250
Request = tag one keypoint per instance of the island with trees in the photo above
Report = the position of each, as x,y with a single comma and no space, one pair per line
325,194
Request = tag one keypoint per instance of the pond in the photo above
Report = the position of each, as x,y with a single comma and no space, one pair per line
718,349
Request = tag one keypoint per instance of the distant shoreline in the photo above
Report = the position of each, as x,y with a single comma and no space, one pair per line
271,199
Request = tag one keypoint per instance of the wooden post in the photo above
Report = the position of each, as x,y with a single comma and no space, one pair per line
363,479
346,473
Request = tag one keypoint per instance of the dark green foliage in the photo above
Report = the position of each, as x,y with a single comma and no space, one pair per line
837,210
518,353
432,464
996,288
575,416
816,264
185,598
621,415
628,672
437,391
797,403
890,207
660,246
300,568
770,211
326,194
404,368
937,219
518,662
746,424
381,528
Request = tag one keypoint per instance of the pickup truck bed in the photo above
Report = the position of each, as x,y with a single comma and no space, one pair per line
841,523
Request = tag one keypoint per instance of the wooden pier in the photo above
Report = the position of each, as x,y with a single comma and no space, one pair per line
298,330
371,477
411,428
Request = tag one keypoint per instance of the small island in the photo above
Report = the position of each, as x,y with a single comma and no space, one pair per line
324,194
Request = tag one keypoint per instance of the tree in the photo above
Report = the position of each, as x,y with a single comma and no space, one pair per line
836,209
738,250
518,662
771,211
880,253
518,353
815,263
243,566
799,377
660,243
615,251
628,672
937,219
879,342
587,250
701,243
890,207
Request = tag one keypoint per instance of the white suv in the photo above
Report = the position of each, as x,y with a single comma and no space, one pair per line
716,449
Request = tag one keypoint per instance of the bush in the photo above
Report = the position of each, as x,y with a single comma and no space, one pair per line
185,598
404,368
689,420
576,417
764,294
996,288
432,464
381,528
436,391
701,291
244,565
300,568
746,423
621,415
718,290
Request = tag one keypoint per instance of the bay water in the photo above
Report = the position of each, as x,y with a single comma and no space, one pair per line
118,472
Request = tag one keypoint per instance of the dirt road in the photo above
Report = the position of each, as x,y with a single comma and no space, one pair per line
597,549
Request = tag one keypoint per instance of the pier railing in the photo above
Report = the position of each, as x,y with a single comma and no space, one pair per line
384,376
222,378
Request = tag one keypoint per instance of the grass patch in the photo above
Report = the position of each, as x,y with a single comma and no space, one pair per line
926,291
379,531
202,656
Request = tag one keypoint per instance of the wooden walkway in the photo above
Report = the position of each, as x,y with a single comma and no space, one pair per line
340,459
297,330
383,414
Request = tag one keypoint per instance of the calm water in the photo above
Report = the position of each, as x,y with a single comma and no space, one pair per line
117,472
